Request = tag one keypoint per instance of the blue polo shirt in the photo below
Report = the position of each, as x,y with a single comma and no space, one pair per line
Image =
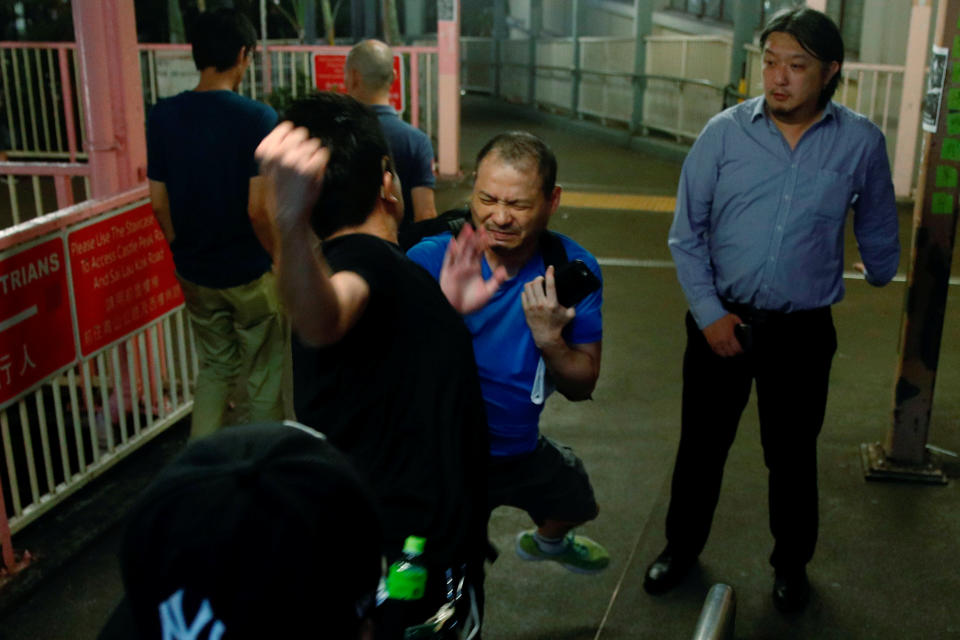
503,346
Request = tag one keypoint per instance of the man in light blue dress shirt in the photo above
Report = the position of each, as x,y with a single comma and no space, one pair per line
757,239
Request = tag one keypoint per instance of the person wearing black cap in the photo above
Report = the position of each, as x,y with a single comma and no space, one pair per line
258,531
382,363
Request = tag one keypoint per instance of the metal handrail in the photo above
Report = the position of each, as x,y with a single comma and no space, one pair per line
613,74
718,614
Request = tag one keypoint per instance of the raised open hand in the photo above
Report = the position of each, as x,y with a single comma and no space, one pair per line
461,276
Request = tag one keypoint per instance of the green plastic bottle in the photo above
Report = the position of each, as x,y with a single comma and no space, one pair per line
407,578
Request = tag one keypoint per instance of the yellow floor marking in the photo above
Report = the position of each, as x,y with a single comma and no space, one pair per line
621,201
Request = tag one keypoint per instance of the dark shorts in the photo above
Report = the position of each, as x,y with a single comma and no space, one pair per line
549,483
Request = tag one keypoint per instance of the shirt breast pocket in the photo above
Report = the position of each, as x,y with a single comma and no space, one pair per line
833,195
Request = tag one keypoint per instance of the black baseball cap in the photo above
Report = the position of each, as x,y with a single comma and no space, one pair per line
257,531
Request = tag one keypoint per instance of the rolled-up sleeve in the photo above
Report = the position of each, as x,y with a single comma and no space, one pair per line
875,223
688,238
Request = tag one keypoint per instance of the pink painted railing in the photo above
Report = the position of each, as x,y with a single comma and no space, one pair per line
40,89
101,403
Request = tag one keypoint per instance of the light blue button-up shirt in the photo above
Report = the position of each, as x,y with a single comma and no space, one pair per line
761,224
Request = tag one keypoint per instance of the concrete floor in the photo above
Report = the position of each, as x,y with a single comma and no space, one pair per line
888,562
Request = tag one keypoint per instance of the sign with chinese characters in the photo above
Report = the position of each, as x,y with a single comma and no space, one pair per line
123,276
329,75
36,332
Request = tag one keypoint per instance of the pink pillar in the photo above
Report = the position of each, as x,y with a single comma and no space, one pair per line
448,89
64,189
107,53
7,558
415,89
914,81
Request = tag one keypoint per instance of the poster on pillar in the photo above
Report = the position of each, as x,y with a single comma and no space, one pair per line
329,68
447,10
934,95
36,329
123,276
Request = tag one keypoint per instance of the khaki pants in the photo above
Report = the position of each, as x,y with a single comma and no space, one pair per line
239,330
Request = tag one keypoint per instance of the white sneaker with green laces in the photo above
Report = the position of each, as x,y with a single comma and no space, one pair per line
580,554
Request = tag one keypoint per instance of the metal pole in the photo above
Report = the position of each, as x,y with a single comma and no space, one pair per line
499,35
576,7
105,32
745,14
265,61
448,87
356,21
413,18
718,614
536,23
310,22
905,456
642,27
371,14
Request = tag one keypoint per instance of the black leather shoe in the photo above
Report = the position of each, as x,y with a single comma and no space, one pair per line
791,591
666,572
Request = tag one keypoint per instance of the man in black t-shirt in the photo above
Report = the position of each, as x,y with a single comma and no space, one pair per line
383,364
208,200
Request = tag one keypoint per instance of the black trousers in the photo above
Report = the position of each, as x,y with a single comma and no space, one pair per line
789,359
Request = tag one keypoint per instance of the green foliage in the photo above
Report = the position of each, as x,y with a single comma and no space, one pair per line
43,20
280,99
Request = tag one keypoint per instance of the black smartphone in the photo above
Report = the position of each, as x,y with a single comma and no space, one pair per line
744,334
574,281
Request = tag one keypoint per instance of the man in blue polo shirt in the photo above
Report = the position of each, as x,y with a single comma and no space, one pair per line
209,202
368,75
526,344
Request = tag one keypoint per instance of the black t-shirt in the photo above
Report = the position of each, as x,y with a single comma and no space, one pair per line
399,394
200,144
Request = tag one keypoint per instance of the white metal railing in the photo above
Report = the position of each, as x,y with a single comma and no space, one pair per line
291,74
44,120
607,79
39,85
103,402
681,90
478,69
692,57
684,81
37,188
79,423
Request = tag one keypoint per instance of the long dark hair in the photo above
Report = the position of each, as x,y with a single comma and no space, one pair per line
819,37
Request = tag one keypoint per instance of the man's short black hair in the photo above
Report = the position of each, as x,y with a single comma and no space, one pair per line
355,170
519,147
218,36
817,34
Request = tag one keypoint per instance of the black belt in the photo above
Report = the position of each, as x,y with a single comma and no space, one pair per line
753,316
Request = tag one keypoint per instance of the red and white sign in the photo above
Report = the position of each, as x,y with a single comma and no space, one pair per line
36,332
329,73
123,276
